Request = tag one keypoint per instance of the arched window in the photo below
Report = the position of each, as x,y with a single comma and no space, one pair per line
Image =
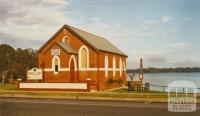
120,66
74,60
83,57
106,65
56,64
65,39
114,66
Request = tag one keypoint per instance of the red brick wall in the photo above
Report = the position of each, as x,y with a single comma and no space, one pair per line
45,60
104,84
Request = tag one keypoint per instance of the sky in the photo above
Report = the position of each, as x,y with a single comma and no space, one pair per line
165,33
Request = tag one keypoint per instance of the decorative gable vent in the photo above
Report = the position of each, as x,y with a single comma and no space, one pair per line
66,40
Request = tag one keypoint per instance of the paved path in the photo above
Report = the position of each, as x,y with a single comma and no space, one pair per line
50,107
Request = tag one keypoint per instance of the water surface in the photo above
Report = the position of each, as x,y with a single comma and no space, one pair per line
163,79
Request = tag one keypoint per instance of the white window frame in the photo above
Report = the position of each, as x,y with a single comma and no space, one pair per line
120,66
64,38
75,64
53,64
114,66
80,58
106,65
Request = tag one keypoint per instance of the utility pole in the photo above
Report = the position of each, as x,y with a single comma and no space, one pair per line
141,69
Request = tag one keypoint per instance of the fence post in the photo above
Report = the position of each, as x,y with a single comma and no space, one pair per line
18,83
89,84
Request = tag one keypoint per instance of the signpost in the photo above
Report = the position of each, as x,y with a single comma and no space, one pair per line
141,75
34,74
55,52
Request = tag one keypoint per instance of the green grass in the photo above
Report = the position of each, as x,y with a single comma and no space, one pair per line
125,90
120,93
8,86
84,94
10,89
150,94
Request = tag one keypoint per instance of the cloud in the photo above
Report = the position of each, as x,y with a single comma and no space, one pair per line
187,19
30,23
113,32
187,63
166,18
174,29
148,22
147,34
95,19
6,38
31,19
22,43
156,59
180,45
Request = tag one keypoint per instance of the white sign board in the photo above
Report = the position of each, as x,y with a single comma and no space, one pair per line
34,74
55,52
53,86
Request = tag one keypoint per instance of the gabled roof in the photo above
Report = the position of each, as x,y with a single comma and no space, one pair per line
94,41
66,47
98,42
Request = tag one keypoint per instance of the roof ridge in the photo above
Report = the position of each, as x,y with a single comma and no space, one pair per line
97,37
96,42
68,47
87,32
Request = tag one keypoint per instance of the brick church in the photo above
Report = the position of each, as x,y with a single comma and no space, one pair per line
72,55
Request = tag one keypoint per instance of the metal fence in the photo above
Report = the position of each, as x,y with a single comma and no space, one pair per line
148,87
164,88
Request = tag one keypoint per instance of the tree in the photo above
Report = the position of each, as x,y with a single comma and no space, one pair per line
16,62
6,57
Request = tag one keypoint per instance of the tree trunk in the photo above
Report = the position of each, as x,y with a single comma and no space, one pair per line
3,79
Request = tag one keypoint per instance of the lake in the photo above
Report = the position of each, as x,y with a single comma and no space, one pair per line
163,79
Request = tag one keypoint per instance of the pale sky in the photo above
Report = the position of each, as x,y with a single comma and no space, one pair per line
166,33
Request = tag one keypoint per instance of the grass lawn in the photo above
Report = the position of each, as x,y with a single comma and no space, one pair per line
85,94
10,89
125,90
8,86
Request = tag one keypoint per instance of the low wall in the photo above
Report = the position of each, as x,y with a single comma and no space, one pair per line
54,86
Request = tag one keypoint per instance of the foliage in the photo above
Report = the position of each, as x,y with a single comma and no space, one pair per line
8,86
166,70
15,62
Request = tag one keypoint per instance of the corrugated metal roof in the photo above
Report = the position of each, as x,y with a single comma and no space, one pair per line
96,41
66,47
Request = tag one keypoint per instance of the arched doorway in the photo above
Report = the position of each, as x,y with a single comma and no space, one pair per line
72,71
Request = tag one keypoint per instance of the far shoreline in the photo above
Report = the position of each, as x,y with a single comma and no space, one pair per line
166,70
